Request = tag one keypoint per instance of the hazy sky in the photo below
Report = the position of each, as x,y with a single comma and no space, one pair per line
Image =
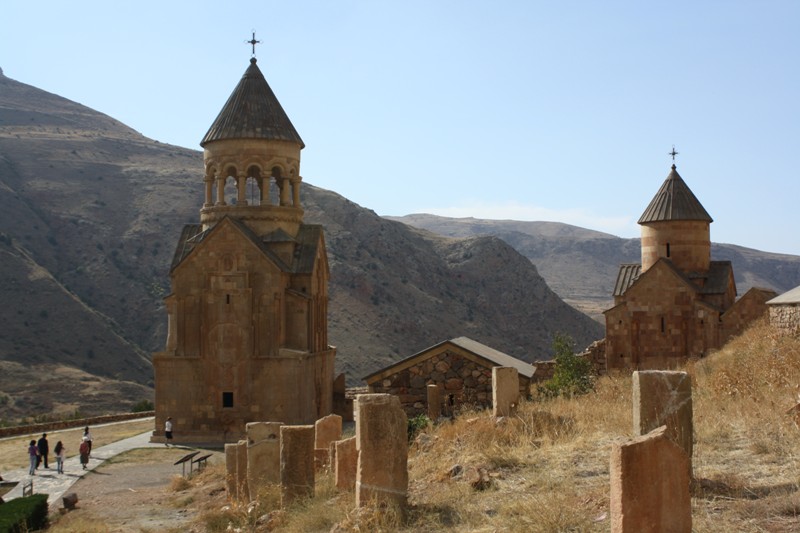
558,110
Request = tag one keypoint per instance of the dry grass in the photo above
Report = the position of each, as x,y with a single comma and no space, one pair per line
548,465
14,454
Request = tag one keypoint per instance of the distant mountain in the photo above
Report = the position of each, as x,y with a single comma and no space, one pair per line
581,265
91,210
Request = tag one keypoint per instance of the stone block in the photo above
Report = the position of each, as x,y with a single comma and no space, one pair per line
662,397
230,471
69,500
263,455
382,444
345,464
505,390
243,492
434,402
297,463
650,486
326,430
321,458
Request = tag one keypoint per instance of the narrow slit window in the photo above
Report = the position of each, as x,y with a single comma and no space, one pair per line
227,298
667,249
227,399
663,325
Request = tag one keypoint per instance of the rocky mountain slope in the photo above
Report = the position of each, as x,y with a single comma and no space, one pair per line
90,212
581,265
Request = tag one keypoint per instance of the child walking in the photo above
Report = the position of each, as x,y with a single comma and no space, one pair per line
61,454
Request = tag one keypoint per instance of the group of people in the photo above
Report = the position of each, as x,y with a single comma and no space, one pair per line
39,452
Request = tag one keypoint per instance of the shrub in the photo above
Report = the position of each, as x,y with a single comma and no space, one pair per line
417,424
142,406
24,514
572,374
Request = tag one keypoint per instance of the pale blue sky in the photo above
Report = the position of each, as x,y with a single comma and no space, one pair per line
495,109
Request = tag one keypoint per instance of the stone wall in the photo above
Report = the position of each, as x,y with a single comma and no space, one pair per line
462,380
68,424
785,318
595,352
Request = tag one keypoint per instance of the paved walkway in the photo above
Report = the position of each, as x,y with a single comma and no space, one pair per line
47,481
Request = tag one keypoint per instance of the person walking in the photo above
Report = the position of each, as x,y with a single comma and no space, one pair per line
33,455
168,431
44,449
87,437
61,454
84,450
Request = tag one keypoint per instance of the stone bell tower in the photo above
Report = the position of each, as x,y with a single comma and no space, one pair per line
247,315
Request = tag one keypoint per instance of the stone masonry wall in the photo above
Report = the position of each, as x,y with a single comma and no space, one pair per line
785,318
465,380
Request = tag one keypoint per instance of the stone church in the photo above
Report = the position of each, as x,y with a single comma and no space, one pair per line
677,303
247,317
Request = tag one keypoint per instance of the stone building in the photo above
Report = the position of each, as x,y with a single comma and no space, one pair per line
784,312
462,368
247,315
676,302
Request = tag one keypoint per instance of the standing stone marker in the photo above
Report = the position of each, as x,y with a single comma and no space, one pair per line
650,486
434,402
346,464
297,463
230,467
326,430
382,444
662,397
241,471
505,390
263,454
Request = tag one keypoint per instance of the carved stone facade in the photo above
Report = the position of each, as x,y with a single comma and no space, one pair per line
677,303
461,367
247,315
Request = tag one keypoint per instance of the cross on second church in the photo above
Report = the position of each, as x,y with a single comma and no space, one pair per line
253,43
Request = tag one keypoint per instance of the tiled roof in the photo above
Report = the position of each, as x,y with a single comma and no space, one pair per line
252,112
674,201
476,348
790,297
719,272
625,277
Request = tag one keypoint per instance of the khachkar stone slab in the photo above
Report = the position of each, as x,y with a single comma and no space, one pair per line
662,397
382,444
326,430
505,390
263,455
230,471
297,463
434,402
650,486
345,464
241,471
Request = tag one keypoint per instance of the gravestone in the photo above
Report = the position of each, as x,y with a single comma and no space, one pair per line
505,390
382,444
650,486
434,402
345,464
326,430
230,471
297,463
241,471
662,397
263,454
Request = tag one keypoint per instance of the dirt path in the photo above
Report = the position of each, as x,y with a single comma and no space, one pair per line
133,493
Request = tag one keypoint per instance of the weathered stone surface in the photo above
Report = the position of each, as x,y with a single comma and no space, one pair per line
650,486
297,463
382,443
69,500
230,471
321,458
662,397
345,464
434,402
326,430
263,455
505,390
241,471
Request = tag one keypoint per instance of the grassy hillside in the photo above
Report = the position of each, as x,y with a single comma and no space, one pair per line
549,466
